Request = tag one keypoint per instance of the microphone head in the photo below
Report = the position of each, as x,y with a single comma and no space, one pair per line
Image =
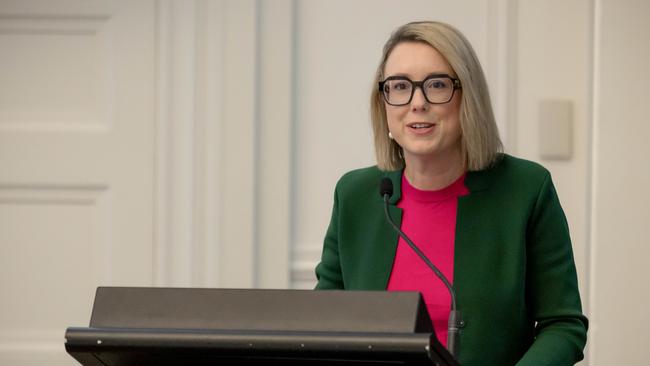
386,187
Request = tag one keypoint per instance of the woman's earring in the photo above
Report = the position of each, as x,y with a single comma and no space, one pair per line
390,135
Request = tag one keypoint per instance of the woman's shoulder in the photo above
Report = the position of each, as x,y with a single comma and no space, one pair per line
509,173
362,182
512,165
360,177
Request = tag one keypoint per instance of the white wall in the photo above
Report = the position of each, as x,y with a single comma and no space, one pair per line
76,165
554,63
594,54
252,130
620,290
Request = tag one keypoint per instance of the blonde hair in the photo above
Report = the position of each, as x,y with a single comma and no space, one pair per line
480,142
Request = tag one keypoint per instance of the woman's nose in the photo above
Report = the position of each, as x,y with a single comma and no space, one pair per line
419,102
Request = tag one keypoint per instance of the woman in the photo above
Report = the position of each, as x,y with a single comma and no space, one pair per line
490,222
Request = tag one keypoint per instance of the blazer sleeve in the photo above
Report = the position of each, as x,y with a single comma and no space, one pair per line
551,286
328,271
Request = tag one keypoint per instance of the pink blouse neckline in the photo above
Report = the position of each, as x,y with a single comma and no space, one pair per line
455,189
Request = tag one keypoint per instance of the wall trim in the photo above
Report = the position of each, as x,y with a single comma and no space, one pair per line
175,93
592,172
502,67
274,154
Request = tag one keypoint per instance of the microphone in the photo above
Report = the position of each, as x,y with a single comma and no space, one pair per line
386,187
455,318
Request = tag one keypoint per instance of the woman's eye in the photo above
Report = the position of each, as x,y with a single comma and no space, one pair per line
438,84
401,86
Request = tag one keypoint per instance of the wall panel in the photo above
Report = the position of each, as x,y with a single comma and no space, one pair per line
620,291
60,61
76,165
48,272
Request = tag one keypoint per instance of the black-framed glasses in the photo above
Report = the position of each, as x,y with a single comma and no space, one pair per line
437,89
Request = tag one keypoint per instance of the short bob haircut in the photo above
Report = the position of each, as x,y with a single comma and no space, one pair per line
480,142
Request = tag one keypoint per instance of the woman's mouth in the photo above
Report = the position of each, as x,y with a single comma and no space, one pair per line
421,127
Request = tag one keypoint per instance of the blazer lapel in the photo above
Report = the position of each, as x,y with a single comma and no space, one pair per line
384,237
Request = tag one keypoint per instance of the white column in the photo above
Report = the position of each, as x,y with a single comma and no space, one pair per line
175,139
237,256
274,159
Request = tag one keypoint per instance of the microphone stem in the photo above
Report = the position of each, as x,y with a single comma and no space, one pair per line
455,319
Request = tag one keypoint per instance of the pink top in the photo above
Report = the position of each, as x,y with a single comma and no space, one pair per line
429,220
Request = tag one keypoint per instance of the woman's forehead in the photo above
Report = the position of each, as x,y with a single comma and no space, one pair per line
415,60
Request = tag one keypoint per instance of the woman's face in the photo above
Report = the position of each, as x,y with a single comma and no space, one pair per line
422,129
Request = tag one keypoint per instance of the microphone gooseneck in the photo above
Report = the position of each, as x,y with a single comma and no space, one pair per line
455,319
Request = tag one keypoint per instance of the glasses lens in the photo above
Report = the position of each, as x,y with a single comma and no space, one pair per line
397,91
439,89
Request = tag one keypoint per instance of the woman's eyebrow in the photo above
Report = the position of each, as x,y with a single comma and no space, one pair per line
400,74
431,74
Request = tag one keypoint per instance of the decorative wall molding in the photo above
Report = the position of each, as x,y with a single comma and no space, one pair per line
594,115
223,143
56,60
175,138
275,143
76,165
51,193
210,37
98,197
502,67
44,24
238,130
305,258
38,332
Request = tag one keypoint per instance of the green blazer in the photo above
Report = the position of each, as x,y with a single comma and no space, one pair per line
514,273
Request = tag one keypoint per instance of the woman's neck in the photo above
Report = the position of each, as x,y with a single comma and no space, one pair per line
432,174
